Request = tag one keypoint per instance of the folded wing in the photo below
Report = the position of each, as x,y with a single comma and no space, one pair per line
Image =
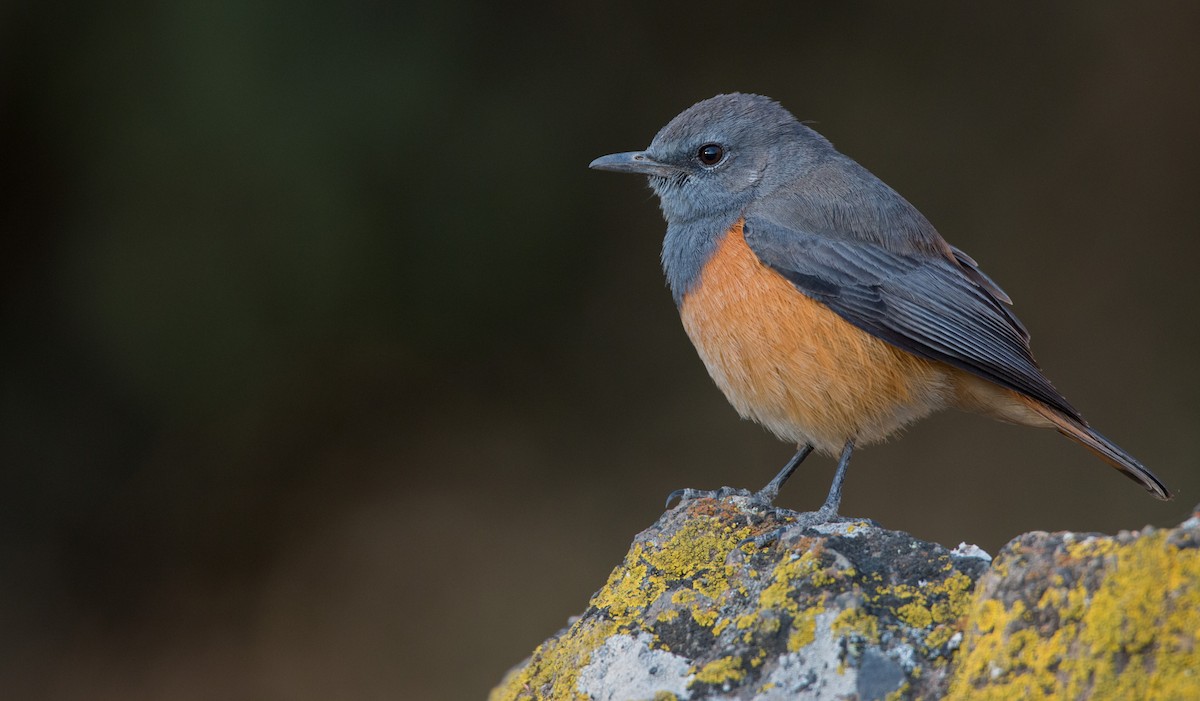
928,305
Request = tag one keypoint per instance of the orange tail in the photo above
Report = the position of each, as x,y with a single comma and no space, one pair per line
1102,447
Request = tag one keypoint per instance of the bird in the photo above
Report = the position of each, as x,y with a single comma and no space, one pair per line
823,304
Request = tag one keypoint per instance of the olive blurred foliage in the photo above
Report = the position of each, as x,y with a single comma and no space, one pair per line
330,371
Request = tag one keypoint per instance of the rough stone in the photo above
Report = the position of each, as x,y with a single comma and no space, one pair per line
837,611
855,611
1087,616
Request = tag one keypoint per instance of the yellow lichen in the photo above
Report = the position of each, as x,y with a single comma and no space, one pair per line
804,630
858,622
697,553
938,606
668,615
777,602
684,597
1137,635
698,605
939,636
915,614
785,577
630,588
553,669
694,557
704,616
693,561
746,620
719,671
957,591
1091,547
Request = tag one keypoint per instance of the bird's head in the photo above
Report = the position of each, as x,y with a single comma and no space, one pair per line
717,154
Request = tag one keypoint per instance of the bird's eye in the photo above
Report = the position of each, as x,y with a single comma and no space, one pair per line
710,154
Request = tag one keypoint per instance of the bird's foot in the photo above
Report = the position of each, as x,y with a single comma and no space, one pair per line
799,523
687,494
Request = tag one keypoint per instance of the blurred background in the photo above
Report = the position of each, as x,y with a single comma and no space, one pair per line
330,371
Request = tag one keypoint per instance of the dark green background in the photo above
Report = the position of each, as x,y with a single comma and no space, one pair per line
331,372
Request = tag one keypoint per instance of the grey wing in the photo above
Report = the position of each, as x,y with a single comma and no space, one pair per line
927,305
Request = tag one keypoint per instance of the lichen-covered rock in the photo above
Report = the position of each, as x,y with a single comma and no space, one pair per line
842,611
854,611
1071,616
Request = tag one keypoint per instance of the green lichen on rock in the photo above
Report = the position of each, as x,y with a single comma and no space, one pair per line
1074,617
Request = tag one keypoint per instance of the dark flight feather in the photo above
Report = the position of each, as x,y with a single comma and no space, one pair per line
927,305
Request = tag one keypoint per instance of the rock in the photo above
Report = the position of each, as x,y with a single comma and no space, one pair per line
838,611
855,611
1087,616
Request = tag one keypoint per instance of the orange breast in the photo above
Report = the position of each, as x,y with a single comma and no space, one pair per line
793,365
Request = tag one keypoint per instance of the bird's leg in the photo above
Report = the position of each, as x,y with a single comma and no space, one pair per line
829,510
765,496
828,513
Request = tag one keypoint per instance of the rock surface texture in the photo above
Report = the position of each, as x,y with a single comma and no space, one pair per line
854,611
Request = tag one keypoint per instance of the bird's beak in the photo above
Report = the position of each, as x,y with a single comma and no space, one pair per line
633,162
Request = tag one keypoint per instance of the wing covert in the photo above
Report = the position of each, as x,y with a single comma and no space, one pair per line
927,305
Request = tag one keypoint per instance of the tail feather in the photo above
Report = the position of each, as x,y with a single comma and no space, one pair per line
1105,449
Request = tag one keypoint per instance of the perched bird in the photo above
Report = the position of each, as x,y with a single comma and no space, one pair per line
823,304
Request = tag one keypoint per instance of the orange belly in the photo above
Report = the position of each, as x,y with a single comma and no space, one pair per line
795,366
